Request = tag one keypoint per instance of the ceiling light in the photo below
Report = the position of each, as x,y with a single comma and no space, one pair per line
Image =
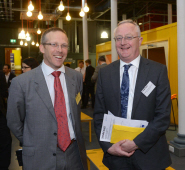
21,42
38,31
30,7
37,44
27,34
68,17
22,34
32,43
82,13
40,16
140,23
28,38
61,6
29,13
26,44
86,8
104,34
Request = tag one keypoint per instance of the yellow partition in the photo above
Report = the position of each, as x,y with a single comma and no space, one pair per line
17,60
164,33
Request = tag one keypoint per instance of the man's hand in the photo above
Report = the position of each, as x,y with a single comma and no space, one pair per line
116,149
129,146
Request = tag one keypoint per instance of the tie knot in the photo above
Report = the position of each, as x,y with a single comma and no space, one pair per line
56,73
127,67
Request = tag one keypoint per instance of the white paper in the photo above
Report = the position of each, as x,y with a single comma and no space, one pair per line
148,88
108,121
106,130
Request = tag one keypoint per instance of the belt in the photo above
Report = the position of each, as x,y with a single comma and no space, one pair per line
73,140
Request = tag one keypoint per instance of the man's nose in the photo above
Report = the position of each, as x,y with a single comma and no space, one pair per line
123,41
59,48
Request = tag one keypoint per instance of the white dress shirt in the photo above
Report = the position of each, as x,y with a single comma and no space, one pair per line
50,84
133,70
81,70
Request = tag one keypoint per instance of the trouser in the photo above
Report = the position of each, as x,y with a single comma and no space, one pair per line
89,90
5,157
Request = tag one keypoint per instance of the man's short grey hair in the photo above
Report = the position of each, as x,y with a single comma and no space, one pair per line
53,29
131,22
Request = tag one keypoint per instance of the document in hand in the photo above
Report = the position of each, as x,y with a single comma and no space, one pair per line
119,128
124,132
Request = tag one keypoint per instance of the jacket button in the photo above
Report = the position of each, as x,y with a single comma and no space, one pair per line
55,134
54,154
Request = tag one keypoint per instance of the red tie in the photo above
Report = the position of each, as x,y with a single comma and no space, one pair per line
63,136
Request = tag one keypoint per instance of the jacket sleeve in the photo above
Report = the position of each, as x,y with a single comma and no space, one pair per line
99,111
95,75
16,109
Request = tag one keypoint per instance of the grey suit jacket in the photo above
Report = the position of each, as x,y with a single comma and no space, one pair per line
153,153
32,120
95,74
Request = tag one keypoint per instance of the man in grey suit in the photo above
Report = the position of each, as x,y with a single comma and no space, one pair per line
102,63
31,109
148,99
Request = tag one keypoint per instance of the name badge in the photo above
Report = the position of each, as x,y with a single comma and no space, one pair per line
78,98
148,88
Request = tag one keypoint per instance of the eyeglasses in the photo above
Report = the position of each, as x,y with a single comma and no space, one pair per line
55,45
25,68
126,38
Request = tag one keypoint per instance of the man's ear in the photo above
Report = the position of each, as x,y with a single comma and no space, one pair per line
140,40
42,49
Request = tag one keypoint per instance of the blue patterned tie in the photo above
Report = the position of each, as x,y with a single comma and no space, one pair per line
125,91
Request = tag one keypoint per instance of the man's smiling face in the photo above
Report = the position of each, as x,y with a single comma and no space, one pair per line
128,50
55,56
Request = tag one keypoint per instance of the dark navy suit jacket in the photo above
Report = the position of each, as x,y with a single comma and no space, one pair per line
153,151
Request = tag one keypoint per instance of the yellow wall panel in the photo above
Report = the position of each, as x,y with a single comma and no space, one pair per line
17,59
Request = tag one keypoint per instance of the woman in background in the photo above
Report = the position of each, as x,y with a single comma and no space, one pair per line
29,64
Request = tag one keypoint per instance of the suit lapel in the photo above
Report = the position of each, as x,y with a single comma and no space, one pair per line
140,83
115,81
70,83
42,90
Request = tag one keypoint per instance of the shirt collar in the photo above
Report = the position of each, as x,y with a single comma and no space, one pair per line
48,70
7,74
134,62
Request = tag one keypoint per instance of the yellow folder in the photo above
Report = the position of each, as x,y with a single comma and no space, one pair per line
124,132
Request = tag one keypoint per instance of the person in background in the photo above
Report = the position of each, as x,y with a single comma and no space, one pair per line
8,74
44,109
102,63
68,65
29,64
81,69
134,88
5,137
89,86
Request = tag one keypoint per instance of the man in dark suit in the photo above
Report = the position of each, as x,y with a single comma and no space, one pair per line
8,74
89,85
140,88
44,109
102,63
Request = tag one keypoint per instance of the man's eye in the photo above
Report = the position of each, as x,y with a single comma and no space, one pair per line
119,39
54,45
128,38
65,46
